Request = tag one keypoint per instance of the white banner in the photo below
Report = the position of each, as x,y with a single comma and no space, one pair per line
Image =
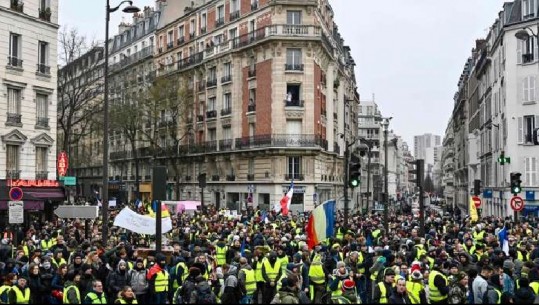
142,224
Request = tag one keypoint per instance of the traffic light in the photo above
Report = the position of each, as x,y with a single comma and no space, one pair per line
515,183
418,171
202,180
354,172
477,187
502,159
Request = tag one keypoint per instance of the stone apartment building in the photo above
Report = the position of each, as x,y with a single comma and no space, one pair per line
28,56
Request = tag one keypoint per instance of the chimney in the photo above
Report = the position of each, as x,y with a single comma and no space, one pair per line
123,26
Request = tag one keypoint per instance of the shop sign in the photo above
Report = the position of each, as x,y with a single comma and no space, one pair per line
63,164
33,183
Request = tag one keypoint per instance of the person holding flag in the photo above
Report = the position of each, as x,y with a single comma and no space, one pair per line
284,205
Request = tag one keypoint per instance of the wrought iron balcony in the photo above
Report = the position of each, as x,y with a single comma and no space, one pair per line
234,15
14,62
170,45
226,79
14,118
281,140
254,6
293,67
526,58
201,86
17,5
42,122
294,176
226,111
211,114
294,103
336,148
42,175
188,178
13,174
200,118
215,178
43,69
230,177
203,30
225,144
181,40
250,177
211,82
192,35
219,22
251,72
148,177
251,108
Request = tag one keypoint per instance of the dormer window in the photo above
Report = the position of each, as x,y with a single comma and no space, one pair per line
529,8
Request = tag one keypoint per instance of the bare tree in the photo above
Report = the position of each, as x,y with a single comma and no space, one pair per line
79,87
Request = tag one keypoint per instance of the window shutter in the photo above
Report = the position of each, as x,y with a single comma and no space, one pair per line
290,57
520,135
519,51
531,94
527,171
525,89
534,171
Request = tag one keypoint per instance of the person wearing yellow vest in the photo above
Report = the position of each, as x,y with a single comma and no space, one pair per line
438,286
96,295
493,295
317,279
335,283
9,279
415,286
71,292
348,296
58,259
400,295
46,243
158,278
258,260
247,280
19,293
383,289
271,272
126,296
282,258
220,251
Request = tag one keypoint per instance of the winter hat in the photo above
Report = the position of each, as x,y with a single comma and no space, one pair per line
507,264
341,264
417,275
348,284
416,266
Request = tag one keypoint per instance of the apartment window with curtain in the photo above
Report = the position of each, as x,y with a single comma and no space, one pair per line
227,133
212,134
528,9
13,105
294,167
12,158
42,111
15,53
43,58
293,59
293,17
41,162
227,102
526,126
211,103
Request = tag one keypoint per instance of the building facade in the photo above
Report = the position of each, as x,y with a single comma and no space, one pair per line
28,128
370,129
272,88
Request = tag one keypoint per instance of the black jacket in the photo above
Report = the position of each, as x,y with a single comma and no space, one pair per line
524,295
397,298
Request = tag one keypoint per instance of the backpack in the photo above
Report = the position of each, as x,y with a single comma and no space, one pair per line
185,291
205,296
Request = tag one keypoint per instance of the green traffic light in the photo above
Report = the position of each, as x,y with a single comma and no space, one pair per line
354,183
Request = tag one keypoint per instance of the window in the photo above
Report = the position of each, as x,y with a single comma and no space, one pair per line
293,59
43,4
41,160
293,92
227,101
213,73
170,38
528,9
293,17
528,89
212,134
234,6
192,27
227,69
220,13
252,96
232,33
14,100
181,32
15,50
211,103
294,167
42,111
12,157
43,58
227,133
531,171
526,126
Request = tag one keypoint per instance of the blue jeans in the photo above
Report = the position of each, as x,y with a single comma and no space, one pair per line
361,288
246,299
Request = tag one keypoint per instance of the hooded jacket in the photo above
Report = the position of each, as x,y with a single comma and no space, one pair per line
231,292
117,280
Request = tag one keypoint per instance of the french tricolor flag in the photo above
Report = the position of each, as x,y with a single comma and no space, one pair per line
285,201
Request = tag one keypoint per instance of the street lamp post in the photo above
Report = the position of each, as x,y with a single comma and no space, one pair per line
385,125
105,192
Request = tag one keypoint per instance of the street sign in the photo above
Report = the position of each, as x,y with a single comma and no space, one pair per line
15,194
476,201
63,163
517,203
77,211
69,180
16,211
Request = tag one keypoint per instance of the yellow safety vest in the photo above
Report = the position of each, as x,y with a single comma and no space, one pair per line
46,245
360,261
478,236
56,264
258,270
535,287
414,289
337,292
521,257
220,255
383,293
283,261
161,281
122,301
339,234
185,273
22,298
272,272
420,251
316,273
250,281
95,299
66,289
434,294
206,274
4,289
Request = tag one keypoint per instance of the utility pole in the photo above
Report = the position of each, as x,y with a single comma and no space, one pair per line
420,163
385,125
346,179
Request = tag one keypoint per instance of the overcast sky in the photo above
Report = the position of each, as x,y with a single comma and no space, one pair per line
409,53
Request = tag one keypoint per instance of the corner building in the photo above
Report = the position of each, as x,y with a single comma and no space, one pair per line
274,88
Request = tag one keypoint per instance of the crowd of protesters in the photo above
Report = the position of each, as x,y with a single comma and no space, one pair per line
264,258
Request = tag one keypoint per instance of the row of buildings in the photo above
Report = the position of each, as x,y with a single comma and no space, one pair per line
495,113
253,93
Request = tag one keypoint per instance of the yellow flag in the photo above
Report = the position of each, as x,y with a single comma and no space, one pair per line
473,211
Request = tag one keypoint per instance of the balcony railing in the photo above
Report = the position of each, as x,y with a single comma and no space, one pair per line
13,174
211,114
219,22
336,148
230,177
181,40
226,79
250,177
42,175
192,35
188,178
254,6
281,140
43,69
294,103
211,82
42,122
251,72
251,108
203,30
215,178
225,144
294,177
134,58
293,67
17,6
170,45
226,111
526,58
14,118
14,62
234,15
148,177
45,14
200,118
